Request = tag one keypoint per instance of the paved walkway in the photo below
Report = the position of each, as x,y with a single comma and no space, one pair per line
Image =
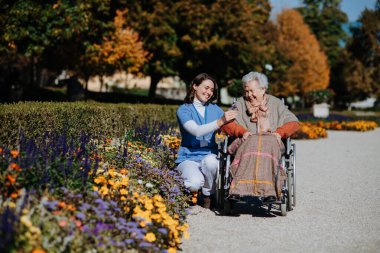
338,205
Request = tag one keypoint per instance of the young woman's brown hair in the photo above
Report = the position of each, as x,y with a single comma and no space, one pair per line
197,81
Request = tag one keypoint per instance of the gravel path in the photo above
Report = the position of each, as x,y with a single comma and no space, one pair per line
338,205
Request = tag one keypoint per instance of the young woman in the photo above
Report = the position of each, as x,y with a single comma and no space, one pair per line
198,120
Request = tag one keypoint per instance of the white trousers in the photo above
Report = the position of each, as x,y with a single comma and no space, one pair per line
201,174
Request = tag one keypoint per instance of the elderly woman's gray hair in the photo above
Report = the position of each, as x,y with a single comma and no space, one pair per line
259,77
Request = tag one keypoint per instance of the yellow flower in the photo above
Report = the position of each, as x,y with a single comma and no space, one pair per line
149,206
26,221
150,237
112,173
156,216
35,230
186,235
103,190
157,198
123,192
122,198
124,181
172,250
100,179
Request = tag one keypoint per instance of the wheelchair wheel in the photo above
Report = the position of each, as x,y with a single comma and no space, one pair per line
292,180
290,200
283,207
227,207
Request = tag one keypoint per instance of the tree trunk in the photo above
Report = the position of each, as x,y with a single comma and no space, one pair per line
154,79
101,83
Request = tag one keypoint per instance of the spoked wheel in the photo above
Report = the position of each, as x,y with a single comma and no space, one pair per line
290,200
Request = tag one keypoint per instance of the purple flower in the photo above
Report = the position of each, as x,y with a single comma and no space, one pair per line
129,241
163,231
51,205
84,207
81,216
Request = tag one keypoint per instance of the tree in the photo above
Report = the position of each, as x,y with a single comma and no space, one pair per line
359,70
82,37
325,19
50,34
153,20
308,66
221,37
187,37
121,50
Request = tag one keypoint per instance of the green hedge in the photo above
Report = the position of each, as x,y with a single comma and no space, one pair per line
105,120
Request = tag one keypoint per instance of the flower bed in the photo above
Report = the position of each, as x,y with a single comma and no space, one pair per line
61,194
315,130
310,131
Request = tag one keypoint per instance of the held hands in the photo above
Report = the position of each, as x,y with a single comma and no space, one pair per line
230,115
227,117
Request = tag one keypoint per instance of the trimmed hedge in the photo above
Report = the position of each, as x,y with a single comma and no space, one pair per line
73,118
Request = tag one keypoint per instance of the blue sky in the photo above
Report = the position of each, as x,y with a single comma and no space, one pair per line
352,8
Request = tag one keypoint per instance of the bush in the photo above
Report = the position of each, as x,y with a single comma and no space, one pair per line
101,120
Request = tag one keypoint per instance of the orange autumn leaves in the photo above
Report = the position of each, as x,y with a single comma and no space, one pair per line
309,69
122,48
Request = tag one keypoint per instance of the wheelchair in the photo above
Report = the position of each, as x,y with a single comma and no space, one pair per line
287,200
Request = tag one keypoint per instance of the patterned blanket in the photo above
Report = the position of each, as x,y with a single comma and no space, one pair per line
255,169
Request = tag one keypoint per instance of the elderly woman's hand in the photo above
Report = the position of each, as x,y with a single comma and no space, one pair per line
278,137
246,135
227,117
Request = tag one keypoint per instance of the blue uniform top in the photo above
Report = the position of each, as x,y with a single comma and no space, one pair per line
190,148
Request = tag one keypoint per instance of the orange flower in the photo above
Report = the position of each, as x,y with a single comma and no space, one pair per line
14,153
15,166
38,251
14,195
70,208
62,204
1,150
78,223
62,223
11,179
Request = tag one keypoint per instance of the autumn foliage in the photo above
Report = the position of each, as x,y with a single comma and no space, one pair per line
309,69
122,48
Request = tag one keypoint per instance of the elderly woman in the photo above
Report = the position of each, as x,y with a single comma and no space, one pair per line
264,120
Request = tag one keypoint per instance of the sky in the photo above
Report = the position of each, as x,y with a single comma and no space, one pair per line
352,8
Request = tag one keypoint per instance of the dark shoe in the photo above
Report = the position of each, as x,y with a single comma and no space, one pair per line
207,202
269,199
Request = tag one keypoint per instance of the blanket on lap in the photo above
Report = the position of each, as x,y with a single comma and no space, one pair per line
256,169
